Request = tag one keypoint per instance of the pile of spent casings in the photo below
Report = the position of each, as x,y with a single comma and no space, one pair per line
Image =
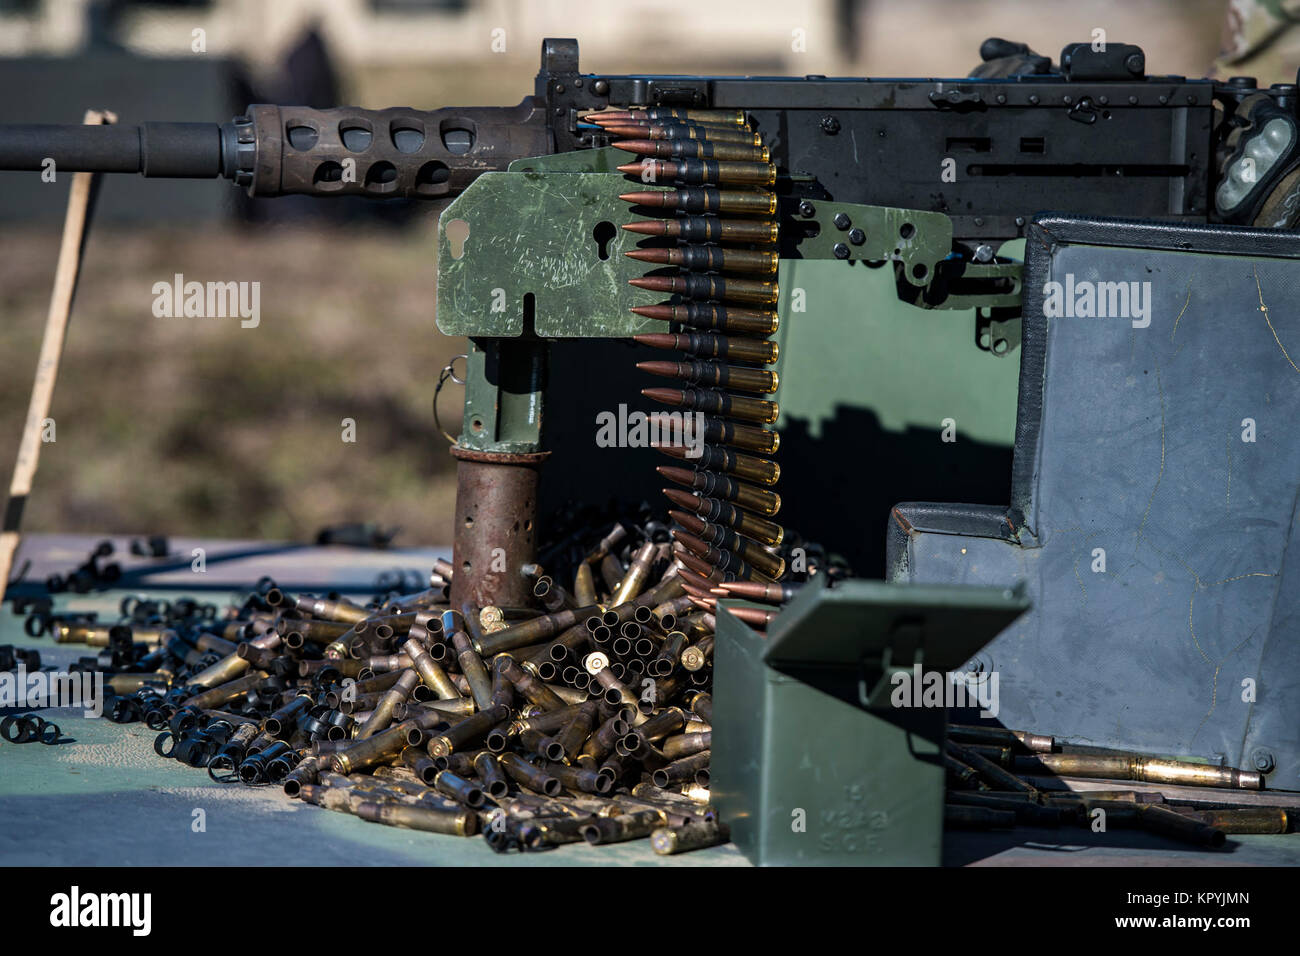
585,717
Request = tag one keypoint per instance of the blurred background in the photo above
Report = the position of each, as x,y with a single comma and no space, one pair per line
201,427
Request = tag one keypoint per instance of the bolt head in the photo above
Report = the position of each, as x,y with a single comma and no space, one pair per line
857,237
600,87
830,125
1262,759
842,220
841,251
806,208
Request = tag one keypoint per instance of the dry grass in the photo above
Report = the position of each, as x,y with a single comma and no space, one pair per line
201,426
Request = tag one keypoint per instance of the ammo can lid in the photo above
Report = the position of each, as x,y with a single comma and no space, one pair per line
856,621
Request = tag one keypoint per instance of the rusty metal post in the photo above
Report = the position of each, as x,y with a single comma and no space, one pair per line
496,526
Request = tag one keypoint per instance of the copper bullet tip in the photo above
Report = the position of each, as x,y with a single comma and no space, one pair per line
644,255
645,147
651,227
662,284
631,169
666,369
644,198
657,340
662,312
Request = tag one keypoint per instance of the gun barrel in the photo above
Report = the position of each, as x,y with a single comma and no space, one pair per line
176,150
280,150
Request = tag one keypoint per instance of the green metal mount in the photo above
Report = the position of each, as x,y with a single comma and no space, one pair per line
813,763
538,255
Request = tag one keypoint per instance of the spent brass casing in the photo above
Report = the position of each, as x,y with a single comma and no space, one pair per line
344,611
466,731
493,778
475,671
224,693
459,789
681,770
450,822
421,764
431,672
527,775
1001,737
711,259
380,748
989,772
317,632
686,745
706,285
1243,820
527,685
976,818
307,772
532,631
1025,809
712,374
691,836
1162,820
709,229
697,149
713,317
584,586
637,573
382,715
231,666
577,778
575,733
628,826
1125,766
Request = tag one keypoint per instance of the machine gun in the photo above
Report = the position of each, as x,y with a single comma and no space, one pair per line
917,182
852,236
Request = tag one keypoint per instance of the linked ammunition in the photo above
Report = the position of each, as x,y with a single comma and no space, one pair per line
709,345
715,375
663,113
679,149
757,590
714,402
708,229
688,131
708,199
713,317
700,285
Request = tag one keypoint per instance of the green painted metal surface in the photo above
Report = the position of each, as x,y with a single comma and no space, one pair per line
847,340
553,236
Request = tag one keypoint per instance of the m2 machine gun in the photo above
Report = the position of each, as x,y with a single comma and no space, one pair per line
936,269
